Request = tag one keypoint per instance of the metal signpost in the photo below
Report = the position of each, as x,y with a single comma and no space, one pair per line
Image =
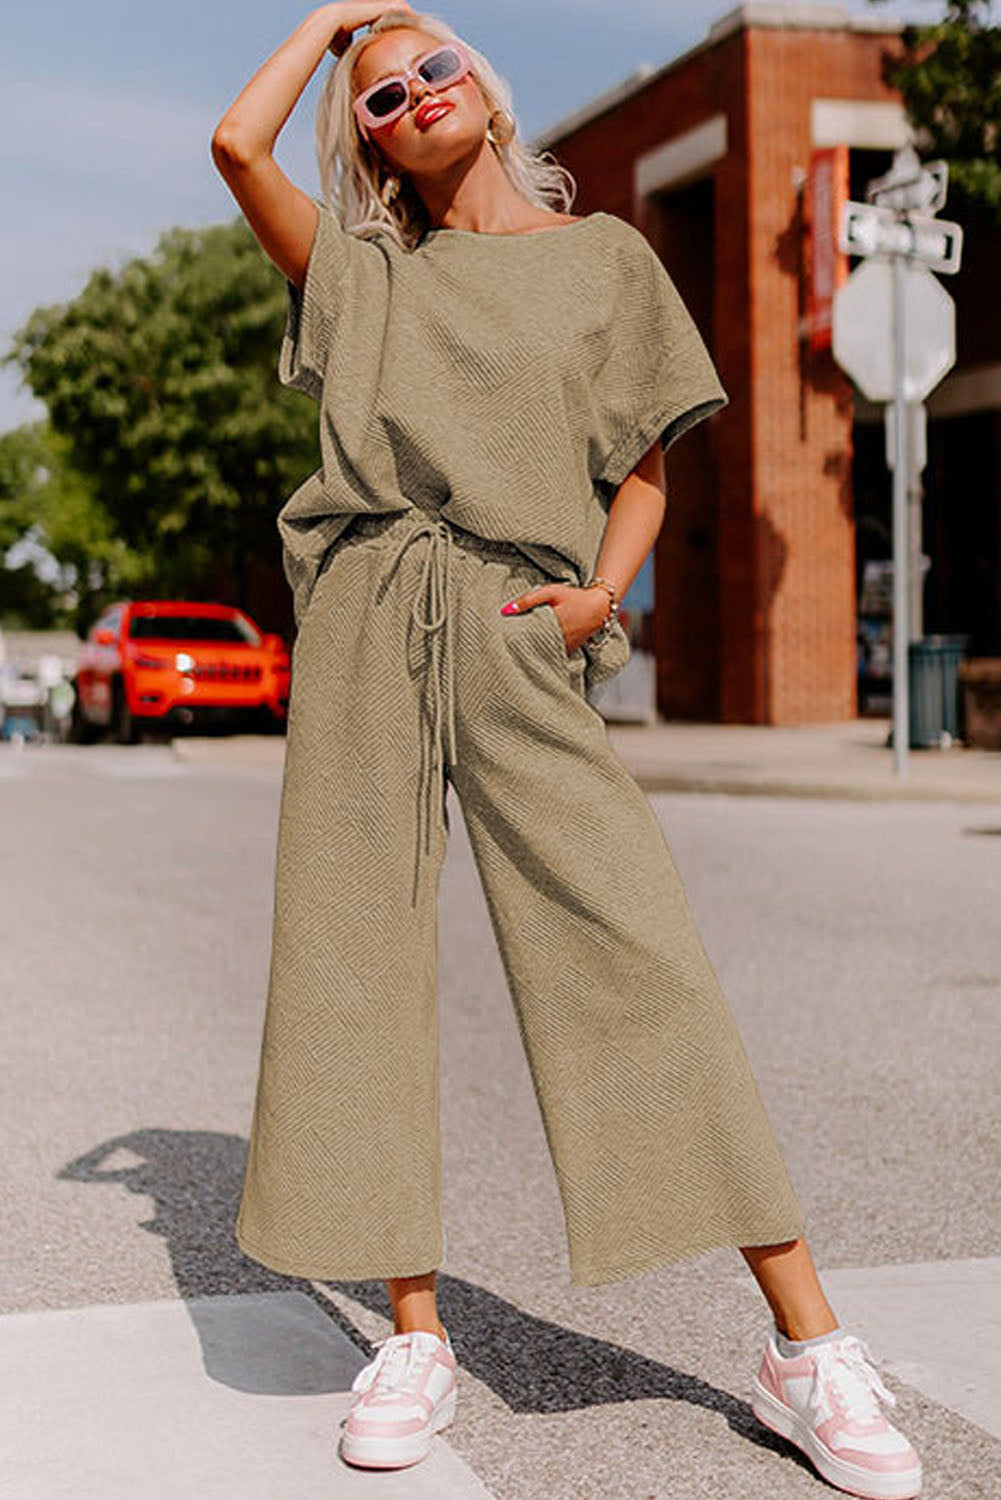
894,333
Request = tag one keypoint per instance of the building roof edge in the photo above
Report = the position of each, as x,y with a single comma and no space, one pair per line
790,15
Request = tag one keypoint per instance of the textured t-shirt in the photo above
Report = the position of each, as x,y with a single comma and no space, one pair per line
510,382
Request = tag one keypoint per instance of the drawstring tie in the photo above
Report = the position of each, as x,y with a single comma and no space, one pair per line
435,590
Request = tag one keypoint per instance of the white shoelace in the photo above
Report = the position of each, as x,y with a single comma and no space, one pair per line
400,1357
846,1365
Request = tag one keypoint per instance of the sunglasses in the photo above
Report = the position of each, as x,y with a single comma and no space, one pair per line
388,99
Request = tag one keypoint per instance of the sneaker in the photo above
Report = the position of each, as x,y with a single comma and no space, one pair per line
825,1401
407,1394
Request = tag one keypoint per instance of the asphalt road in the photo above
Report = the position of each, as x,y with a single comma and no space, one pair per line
860,948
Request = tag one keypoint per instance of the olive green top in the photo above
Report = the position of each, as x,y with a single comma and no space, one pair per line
509,381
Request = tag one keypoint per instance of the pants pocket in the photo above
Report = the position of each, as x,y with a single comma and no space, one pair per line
573,662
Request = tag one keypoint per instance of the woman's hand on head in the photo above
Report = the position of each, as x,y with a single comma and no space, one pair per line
352,14
580,611
281,215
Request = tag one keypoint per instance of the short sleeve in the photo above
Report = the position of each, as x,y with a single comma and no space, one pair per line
337,265
659,379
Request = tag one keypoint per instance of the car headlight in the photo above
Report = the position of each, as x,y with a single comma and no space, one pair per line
184,662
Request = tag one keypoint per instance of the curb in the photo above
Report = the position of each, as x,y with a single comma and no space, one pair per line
668,781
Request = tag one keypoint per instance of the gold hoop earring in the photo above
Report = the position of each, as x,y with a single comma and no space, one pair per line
500,128
389,190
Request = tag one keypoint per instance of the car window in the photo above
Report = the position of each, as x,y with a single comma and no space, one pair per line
111,620
226,628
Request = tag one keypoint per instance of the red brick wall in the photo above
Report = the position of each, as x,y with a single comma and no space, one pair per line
801,416
783,650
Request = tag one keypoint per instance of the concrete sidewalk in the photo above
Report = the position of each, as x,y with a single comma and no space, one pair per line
849,759
213,1397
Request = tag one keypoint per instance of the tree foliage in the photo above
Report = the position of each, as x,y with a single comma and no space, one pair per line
949,77
160,380
49,508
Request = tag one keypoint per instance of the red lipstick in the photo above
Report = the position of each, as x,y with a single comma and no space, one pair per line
430,110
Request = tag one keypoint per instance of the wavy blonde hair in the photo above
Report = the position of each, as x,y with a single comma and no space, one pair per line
353,174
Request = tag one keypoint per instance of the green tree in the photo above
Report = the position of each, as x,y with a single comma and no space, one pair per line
949,77
160,379
45,500
20,460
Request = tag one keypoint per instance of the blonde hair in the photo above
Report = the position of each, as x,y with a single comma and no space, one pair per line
353,174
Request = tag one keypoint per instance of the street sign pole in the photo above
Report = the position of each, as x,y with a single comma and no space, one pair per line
901,570
917,459
901,243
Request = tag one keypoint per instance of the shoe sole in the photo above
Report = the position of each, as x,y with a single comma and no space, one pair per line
396,1453
778,1418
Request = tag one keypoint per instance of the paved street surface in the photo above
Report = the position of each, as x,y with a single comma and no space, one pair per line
141,1352
851,760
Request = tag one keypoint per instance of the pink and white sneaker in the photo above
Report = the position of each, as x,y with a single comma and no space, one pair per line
407,1394
825,1401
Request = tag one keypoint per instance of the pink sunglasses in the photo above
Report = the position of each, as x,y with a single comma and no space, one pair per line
388,99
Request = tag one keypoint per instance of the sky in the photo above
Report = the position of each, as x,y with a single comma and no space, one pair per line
107,110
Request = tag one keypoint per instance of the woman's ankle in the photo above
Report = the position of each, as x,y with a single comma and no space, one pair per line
414,1303
420,1325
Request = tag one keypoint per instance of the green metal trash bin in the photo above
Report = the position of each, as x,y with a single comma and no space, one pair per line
933,690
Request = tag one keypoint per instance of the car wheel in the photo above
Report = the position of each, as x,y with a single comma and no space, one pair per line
81,730
122,723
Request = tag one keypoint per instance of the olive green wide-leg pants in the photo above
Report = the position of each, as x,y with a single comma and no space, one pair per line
405,678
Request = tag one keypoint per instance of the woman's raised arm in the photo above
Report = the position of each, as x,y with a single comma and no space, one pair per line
281,215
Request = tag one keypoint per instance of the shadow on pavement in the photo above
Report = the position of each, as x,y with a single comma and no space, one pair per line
531,1364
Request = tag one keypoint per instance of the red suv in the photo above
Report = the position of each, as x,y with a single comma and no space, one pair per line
159,664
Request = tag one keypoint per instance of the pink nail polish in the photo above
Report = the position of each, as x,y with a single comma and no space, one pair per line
509,609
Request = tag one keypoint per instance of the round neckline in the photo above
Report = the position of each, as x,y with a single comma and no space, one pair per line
517,234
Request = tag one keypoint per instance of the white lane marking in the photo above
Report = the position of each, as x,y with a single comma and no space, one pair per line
176,1398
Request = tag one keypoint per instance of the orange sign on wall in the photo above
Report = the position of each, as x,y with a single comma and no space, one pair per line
827,266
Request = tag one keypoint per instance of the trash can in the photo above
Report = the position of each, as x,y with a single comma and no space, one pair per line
933,690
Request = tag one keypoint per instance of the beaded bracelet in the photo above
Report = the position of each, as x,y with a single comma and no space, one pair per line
605,629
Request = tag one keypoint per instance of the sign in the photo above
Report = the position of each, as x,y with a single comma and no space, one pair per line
826,195
894,332
869,230
911,185
863,340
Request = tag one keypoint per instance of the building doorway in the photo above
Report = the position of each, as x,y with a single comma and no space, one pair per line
685,624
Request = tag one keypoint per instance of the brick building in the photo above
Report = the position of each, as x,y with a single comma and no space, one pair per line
776,503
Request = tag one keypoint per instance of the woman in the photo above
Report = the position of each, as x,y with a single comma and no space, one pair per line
497,382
